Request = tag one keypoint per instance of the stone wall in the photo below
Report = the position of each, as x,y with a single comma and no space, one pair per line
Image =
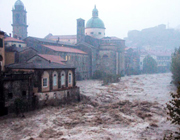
58,97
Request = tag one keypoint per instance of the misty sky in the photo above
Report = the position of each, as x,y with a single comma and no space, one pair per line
59,16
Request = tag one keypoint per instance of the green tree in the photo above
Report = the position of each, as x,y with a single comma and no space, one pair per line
175,66
149,65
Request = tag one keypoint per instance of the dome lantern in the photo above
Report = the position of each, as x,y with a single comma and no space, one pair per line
19,3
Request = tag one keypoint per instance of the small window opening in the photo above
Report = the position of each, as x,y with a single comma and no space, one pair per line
92,33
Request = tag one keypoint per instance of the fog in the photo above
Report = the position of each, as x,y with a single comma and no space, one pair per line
59,17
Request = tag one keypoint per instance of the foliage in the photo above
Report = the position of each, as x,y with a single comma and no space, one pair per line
175,66
149,65
174,112
107,78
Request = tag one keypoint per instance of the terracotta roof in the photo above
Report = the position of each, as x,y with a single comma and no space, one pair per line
13,39
53,58
64,49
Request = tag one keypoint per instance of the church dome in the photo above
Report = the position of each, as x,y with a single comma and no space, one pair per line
18,3
95,21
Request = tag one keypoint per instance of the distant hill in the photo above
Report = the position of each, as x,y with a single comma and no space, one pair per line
154,37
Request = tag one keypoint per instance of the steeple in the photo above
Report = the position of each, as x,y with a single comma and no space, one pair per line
95,12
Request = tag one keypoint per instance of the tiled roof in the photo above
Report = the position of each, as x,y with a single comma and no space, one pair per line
13,39
53,58
37,65
51,41
64,49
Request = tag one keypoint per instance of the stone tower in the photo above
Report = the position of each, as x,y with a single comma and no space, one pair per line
19,20
80,30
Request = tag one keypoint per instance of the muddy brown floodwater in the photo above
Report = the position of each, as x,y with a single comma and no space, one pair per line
133,109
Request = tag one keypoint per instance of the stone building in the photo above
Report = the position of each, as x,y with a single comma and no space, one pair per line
19,20
132,60
52,83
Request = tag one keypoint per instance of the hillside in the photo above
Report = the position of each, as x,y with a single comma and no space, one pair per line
154,37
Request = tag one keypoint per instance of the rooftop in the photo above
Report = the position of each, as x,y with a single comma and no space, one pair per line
64,49
11,39
50,41
37,65
53,58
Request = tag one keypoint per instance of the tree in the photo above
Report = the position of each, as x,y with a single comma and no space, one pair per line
175,66
174,113
149,65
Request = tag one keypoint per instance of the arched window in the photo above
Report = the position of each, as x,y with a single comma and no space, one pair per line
105,56
54,78
63,79
70,78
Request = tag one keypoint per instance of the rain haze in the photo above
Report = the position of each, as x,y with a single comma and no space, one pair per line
59,17
89,69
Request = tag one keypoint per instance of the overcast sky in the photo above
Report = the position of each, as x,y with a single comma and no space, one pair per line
59,16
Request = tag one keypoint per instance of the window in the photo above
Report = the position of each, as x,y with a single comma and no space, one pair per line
63,78
99,33
66,57
54,80
23,93
1,43
45,81
92,33
20,46
70,78
10,95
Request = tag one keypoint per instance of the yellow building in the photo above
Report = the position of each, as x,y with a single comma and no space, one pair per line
2,51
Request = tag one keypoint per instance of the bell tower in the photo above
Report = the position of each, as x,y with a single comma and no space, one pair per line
80,30
19,20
